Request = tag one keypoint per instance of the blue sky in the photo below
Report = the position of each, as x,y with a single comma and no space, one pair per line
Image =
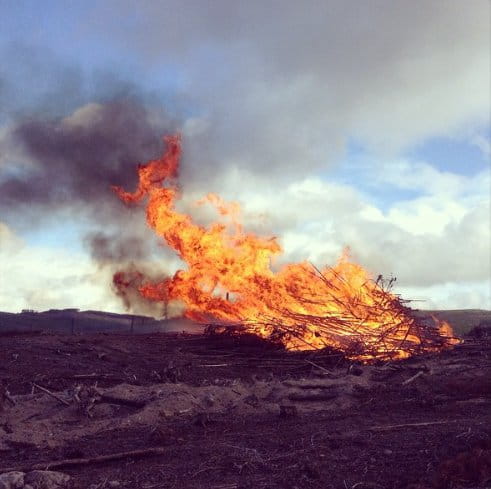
380,115
446,154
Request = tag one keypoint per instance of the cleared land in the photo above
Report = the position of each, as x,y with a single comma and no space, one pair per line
234,413
81,322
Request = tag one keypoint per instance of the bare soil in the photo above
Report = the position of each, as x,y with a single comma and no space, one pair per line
236,413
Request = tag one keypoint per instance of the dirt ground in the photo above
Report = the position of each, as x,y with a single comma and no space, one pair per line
235,413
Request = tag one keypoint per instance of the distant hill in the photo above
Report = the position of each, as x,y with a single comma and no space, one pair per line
75,321
461,320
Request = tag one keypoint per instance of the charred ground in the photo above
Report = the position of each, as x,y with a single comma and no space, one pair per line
213,408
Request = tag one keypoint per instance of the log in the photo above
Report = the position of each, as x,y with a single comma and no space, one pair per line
327,396
408,425
311,386
120,400
94,377
71,462
216,365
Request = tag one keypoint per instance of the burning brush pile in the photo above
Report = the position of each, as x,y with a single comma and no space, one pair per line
229,281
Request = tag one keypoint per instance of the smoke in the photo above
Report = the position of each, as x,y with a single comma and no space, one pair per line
107,248
122,256
60,165
126,283
72,161
127,259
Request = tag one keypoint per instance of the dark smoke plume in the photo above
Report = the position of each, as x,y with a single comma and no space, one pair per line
107,249
126,283
126,259
70,163
73,161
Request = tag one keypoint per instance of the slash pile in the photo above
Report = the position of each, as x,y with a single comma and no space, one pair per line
229,278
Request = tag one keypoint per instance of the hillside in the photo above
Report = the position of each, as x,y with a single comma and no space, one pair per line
75,321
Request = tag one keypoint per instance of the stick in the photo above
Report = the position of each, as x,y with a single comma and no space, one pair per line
7,396
313,397
394,426
216,365
311,386
414,377
319,367
147,452
93,376
58,398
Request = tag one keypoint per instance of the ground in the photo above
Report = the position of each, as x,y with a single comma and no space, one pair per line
235,413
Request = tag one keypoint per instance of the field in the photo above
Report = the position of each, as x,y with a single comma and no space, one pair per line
188,411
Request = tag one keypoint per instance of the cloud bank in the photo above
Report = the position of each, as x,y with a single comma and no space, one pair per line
270,98
283,85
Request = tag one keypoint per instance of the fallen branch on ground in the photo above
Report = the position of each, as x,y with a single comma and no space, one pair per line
147,452
52,394
299,385
319,367
125,402
216,365
408,425
93,376
6,395
327,396
414,377
88,397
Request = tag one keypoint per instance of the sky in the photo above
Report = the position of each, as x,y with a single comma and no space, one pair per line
333,124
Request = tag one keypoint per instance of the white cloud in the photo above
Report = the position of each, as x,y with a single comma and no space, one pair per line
428,241
421,176
436,244
450,295
483,143
40,278
282,85
426,216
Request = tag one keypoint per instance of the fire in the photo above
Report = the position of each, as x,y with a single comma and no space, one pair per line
229,278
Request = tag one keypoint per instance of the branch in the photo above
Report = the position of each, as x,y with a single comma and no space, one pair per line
55,396
147,452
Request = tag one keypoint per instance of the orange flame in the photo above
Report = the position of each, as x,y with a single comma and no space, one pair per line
229,278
